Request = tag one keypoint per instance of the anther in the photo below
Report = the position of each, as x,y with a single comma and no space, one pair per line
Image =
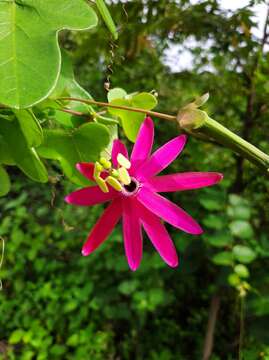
124,176
114,183
123,161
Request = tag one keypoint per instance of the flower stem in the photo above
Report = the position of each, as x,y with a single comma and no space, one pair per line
224,136
197,121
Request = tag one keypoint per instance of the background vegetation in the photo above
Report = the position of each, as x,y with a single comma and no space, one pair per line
56,304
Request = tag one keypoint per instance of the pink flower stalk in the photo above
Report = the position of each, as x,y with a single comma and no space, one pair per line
139,203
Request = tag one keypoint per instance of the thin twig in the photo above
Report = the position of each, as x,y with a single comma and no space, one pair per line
211,325
73,112
122,107
242,328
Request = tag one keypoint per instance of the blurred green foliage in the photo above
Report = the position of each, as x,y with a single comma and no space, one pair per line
56,304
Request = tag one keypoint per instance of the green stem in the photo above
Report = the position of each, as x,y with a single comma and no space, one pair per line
229,139
121,107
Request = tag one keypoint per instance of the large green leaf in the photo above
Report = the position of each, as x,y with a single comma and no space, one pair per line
131,121
4,182
17,149
30,57
30,127
70,147
5,155
68,86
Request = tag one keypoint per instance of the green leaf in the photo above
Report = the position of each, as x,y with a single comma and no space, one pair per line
5,155
70,147
214,221
116,93
210,203
16,336
4,182
24,157
234,279
241,229
144,101
239,212
107,17
223,258
67,86
30,127
244,254
219,239
128,287
29,52
131,121
242,271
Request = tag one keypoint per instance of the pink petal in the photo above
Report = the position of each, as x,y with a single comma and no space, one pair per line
118,148
162,158
159,236
184,181
86,169
168,211
143,145
103,227
89,196
132,234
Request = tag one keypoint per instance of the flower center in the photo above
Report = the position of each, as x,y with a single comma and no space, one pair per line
132,188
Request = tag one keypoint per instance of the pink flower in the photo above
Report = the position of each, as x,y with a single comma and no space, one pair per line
139,203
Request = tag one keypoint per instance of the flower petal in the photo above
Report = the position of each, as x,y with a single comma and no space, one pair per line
184,181
143,145
168,211
161,158
103,227
159,236
132,234
118,148
86,169
89,196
